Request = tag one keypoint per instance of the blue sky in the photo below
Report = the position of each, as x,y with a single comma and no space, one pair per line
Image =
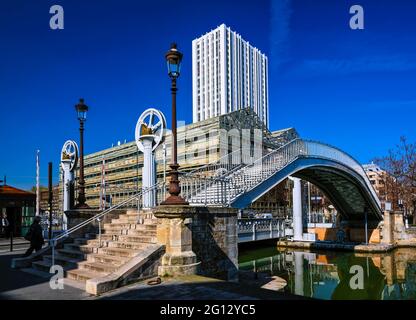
354,89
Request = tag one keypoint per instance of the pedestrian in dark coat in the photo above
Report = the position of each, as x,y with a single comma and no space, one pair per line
4,225
35,236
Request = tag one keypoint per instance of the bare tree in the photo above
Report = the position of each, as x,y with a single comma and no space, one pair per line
400,180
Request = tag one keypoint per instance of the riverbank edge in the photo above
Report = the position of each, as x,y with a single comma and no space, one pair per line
362,248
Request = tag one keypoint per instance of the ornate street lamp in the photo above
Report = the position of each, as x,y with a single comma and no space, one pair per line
173,59
81,109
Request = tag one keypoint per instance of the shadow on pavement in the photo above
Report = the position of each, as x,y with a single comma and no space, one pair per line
198,290
12,279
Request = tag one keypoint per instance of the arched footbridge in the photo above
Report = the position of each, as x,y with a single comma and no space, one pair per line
337,174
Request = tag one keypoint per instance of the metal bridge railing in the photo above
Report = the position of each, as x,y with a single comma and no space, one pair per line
332,153
261,229
218,168
226,188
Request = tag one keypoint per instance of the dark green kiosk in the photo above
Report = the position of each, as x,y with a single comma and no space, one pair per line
19,206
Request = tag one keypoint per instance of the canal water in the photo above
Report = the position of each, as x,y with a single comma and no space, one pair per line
337,275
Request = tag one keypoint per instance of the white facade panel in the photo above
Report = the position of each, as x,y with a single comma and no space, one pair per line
228,74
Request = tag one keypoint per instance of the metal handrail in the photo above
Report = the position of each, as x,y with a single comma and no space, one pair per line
250,175
352,163
98,217
201,182
104,212
119,205
219,161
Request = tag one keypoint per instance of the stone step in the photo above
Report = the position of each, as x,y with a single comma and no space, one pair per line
127,245
84,248
63,261
83,275
104,258
137,238
106,237
90,235
43,266
81,241
72,253
119,252
147,233
98,267
135,213
119,226
112,231
132,212
90,242
131,219
151,226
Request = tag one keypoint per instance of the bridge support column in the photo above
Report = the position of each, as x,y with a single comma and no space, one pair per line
201,240
174,231
298,262
297,210
149,173
387,229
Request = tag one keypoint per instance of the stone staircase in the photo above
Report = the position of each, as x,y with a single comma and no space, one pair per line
121,240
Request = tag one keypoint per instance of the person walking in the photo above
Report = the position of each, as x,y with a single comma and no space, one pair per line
4,225
35,236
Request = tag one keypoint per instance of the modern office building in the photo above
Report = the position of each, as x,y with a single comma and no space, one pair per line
228,74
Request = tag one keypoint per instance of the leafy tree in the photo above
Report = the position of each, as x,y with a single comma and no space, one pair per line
400,180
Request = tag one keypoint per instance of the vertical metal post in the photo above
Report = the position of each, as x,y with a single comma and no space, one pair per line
81,182
99,232
52,243
137,177
174,57
225,191
50,198
164,171
37,184
11,241
205,191
366,226
309,199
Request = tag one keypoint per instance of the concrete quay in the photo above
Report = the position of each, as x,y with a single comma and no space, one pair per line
354,247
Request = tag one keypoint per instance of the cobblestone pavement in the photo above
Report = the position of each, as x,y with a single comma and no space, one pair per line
17,284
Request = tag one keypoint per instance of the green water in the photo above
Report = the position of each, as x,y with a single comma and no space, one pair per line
338,275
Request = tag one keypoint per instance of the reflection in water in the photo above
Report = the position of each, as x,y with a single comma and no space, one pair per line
339,275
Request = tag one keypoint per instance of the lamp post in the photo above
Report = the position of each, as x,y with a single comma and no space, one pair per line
81,109
173,59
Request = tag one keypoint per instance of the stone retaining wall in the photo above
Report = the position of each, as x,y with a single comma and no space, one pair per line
215,242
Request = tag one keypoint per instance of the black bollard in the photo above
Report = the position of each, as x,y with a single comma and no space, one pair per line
11,241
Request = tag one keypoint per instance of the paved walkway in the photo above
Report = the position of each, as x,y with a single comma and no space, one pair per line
196,288
17,284
19,243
